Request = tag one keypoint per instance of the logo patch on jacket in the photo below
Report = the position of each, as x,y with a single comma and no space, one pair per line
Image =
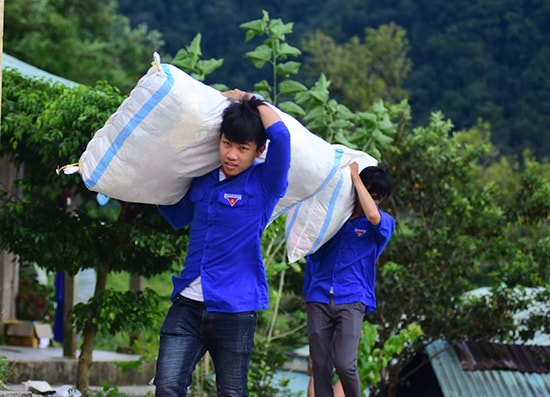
360,232
232,198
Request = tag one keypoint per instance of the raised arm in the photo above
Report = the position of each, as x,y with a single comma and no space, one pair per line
267,113
277,160
366,201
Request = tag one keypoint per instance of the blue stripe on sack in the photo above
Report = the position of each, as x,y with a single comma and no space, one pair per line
130,127
338,153
329,214
293,220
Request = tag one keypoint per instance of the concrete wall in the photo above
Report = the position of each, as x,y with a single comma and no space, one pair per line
63,371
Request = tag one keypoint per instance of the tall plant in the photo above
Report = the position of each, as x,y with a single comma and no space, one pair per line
368,131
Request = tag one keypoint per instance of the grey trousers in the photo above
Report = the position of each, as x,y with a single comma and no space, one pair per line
333,333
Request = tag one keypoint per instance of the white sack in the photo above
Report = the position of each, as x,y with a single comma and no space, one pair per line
320,195
166,133
314,219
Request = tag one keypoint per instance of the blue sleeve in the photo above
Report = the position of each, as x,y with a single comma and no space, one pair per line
384,230
178,215
311,264
386,225
277,162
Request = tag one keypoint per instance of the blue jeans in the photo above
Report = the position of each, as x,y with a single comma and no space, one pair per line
188,332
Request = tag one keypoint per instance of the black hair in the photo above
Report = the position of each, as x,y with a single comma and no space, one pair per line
377,180
241,122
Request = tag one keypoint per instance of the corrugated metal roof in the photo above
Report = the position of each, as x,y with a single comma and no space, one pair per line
456,382
476,355
31,71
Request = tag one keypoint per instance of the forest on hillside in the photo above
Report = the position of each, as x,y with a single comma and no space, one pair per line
471,59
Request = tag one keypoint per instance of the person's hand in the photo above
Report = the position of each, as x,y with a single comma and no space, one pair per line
354,169
237,95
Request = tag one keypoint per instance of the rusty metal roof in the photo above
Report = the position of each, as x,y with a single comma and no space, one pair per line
475,355
514,374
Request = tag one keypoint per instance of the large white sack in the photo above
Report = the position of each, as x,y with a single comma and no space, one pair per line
320,195
314,219
166,133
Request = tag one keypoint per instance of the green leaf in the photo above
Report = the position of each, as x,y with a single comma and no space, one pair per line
261,53
341,138
277,29
289,87
287,68
254,28
195,46
292,108
209,66
286,50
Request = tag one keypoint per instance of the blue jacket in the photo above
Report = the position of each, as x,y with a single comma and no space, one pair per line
346,264
227,220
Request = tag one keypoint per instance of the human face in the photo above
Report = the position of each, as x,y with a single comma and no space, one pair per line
237,157
376,198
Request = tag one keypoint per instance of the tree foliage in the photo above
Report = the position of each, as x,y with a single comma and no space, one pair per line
84,41
486,59
456,232
44,126
363,72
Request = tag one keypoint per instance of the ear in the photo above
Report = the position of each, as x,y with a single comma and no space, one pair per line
260,150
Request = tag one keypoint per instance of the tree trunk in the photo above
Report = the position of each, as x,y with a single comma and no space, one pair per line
126,215
69,333
393,380
136,285
89,334
392,390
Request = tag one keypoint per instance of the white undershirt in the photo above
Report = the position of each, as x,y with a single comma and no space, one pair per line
194,290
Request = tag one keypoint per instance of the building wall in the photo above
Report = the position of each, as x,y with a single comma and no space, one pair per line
9,267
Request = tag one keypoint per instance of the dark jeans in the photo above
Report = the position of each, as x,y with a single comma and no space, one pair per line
188,332
334,332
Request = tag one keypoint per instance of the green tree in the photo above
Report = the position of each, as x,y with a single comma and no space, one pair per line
489,59
486,60
42,126
84,41
456,232
369,130
363,72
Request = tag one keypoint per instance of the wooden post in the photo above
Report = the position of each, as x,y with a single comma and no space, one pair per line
1,52
9,276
